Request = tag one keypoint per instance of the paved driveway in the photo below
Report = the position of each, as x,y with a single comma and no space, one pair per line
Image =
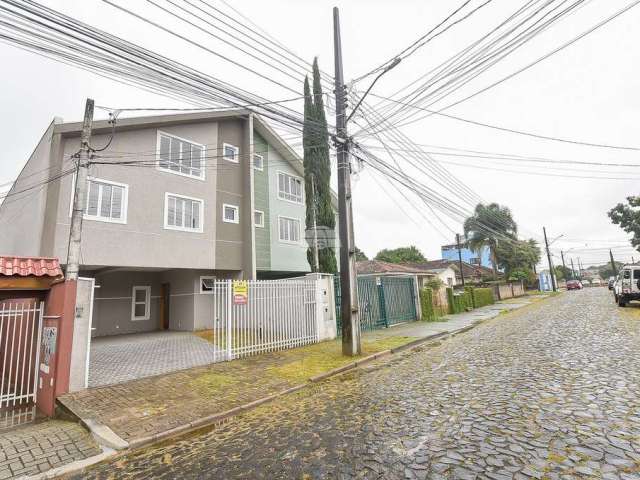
550,392
122,358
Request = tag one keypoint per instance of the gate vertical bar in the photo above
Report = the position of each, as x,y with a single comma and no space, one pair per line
2,329
39,339
229,319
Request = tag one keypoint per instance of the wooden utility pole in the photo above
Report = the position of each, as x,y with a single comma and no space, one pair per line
564,266
613,264
573,271
553,277
579,269
460,258
348,281
80,195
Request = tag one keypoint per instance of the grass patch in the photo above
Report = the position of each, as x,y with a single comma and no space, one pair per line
315,359
212,380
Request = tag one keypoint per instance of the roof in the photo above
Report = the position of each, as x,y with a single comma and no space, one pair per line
377,266
30,267
468,269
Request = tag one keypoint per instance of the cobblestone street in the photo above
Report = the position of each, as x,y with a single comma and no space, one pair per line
550,391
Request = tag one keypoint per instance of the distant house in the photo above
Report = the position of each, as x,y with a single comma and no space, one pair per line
423,274
482,258
472,273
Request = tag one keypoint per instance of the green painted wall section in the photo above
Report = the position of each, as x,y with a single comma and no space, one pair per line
261,190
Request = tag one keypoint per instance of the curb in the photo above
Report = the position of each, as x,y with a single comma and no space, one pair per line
217,418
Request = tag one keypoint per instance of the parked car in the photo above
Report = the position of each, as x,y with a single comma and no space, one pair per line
586,282
612,281
627,287
574,285
596,282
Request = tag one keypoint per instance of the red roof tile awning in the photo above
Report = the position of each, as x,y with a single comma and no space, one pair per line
30,267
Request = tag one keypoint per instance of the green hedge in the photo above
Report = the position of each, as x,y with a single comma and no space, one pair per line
460,302
426,301
482,297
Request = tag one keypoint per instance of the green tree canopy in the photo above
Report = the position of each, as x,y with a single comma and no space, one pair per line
628,217
317,175
517,255
409,254
489,226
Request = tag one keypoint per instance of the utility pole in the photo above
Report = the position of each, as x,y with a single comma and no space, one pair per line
613,264
316,257
564,267
348,281
80,195
460,258
553,278
573,271
579,269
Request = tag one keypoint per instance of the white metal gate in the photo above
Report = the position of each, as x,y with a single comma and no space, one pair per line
278,314
20,334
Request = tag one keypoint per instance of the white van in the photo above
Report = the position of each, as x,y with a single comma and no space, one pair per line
627,287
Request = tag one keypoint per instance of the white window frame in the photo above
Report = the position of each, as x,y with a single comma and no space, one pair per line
261,224
261,168
168,170
207,277
237,215
236,157
98,218
200,228
147,303
301,202
290,242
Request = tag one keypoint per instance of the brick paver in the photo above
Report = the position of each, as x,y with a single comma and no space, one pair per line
129,357
39,447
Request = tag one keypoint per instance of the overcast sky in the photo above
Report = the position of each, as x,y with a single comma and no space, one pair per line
587,92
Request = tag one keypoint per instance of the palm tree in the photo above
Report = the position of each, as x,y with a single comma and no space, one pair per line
489,225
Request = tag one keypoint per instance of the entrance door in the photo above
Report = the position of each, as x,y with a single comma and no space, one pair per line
165,299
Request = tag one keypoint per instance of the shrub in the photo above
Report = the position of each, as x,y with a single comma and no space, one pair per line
460,302
482,297
426,301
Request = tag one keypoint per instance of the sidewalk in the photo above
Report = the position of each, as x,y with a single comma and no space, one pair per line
143,411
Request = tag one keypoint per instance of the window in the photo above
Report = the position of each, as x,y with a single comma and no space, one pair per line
106,201
258,218
230,152
230,214
180,156
141,303
289,229
207,284
636,274
289,187
183,213
258,162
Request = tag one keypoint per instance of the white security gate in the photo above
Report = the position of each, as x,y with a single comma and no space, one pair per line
20,333
264,315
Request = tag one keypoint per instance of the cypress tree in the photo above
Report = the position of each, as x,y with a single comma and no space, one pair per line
317,169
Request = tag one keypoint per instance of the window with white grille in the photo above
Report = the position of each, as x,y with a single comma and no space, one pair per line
230,152
258,162
106,201
258,218
289,229
141,303
289,187
183,213
230,213
180,156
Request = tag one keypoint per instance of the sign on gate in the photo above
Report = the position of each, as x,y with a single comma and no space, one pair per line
240,292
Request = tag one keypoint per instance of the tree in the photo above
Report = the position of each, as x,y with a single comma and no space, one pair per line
409,254
563,273
517,258
628,217
605,271
488,227
317,176
360,255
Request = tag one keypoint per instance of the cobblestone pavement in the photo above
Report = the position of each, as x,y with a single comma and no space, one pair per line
36,448
551,391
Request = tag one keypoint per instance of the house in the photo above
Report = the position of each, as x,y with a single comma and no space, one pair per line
472,273
423,275
482,258
173,203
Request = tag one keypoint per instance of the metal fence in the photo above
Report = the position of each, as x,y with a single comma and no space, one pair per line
272,315
20,333
383,301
